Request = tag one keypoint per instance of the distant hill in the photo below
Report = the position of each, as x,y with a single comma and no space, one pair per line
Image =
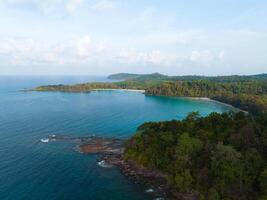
123,76
158,76
129,76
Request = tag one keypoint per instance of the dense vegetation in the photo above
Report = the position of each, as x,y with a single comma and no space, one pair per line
123,76
248,95
86,87
157,76
221,156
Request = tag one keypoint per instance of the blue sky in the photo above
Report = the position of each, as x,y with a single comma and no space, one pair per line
107,36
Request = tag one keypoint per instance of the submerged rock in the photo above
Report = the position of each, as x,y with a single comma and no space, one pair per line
101,145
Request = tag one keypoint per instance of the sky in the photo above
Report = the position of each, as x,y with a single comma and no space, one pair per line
100,37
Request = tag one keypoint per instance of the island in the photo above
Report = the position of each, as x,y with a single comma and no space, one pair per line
217,157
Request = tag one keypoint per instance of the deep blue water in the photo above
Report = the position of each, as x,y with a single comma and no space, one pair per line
33,170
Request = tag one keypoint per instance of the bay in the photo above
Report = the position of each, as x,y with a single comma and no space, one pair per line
30,169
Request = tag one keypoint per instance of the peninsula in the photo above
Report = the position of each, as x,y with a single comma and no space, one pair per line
248,93
221,156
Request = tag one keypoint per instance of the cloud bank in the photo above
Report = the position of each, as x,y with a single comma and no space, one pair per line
135,36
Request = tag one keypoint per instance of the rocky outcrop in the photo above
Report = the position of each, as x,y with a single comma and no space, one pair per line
111,153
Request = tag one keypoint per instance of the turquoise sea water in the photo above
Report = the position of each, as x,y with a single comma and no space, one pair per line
33,170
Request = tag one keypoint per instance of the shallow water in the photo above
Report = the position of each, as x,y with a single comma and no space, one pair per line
30,169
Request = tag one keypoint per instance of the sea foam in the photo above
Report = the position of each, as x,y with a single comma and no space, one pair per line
44,140
104,164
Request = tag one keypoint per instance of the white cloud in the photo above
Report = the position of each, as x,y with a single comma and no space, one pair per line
201,56
72,5
221,55
104,5
188,37
146,14
154,57
47,6
30,51
206,56
84,46
87,51
26,50
126,55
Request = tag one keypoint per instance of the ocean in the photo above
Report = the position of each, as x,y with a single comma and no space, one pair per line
33,170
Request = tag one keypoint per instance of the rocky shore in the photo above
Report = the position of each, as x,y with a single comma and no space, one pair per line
104,146
110,151
111,154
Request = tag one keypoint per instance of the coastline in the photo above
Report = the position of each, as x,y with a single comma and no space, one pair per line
192,98
128,90
143,92
226,104
216,101
110,154
204,99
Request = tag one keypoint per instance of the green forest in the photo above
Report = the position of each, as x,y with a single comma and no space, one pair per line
158,76
221,156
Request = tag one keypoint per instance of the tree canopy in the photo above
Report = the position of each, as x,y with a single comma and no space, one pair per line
221,156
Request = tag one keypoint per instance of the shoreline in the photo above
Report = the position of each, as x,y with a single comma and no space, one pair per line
155,180
216,101
128,90
83,91
111,153
203,99
144,92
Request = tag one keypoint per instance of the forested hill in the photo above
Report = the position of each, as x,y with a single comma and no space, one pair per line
123,76
158,76
128,76
218,157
